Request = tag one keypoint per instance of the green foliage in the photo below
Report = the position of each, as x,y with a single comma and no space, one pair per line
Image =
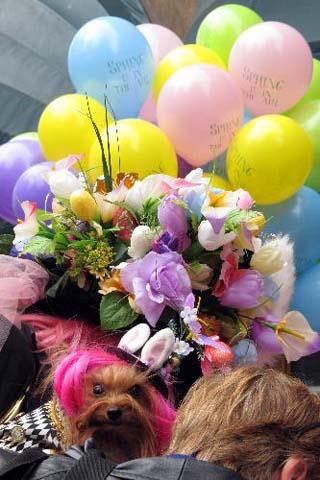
6,243
40,247
236,217
149,215
115,312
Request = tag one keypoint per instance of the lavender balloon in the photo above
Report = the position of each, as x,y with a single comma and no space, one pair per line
15,158
33,187
33,146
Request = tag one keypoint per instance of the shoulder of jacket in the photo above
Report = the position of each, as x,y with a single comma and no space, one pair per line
53,467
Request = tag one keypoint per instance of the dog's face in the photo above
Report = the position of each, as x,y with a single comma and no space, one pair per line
117,413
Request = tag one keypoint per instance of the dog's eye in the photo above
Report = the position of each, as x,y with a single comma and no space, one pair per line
98,389
135,391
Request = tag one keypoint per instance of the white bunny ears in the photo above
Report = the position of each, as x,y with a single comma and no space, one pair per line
155,350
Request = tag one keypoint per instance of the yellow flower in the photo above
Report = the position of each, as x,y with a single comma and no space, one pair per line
83,205
256,224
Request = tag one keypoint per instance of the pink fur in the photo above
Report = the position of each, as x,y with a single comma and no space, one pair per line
69,376
68,385
163,417
53,333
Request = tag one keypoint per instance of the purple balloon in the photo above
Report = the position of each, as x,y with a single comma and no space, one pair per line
33,187
183,167
15,158
33,146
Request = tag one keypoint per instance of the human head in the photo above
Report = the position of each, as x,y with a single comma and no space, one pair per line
257,421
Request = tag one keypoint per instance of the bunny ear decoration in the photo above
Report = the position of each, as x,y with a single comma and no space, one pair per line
158,349
135,338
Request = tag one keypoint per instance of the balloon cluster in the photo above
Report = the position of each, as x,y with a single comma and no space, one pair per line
248,89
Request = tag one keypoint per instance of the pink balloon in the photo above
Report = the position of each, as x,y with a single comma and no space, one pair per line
272,63
161,41
200,108
148,110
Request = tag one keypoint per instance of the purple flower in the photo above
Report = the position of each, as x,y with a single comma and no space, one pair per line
173,220
265,338
245,289
157,281
165,243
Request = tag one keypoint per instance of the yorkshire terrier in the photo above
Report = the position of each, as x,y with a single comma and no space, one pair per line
106,398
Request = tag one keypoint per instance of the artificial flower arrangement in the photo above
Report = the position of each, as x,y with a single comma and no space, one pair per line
174,253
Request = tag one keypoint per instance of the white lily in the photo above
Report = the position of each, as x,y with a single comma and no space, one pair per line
150,187
28,228
295,335
61,180
210,240
105,201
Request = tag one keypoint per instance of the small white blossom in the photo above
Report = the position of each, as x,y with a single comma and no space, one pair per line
182,348
189,315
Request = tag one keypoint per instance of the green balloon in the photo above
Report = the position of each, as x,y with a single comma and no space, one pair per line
221,28
313,92
26,135
308,116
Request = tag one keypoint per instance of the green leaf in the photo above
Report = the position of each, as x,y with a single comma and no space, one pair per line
43,216
60,242
115,311
39,247
6,243
121,252
236,217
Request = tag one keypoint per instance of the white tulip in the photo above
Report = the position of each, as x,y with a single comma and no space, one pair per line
267,260
62,183
141,241
210,240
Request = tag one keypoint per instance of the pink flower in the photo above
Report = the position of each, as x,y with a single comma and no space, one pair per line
218,356
29,227
245,289
245,200
230,259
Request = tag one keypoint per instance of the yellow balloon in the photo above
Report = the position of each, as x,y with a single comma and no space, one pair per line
218,182
183,57
136,146
65,128
270,157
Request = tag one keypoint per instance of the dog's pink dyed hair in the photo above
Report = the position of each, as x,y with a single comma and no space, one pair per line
68,385
53,333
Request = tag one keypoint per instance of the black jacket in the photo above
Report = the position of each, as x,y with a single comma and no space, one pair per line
92,466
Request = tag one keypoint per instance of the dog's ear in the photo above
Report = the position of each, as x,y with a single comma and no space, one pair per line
158,349
135,338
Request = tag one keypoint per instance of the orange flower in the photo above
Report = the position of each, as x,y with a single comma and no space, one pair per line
111,284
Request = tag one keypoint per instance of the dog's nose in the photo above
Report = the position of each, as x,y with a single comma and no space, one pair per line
114,413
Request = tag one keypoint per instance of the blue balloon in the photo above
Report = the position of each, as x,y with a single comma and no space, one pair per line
109,55
306,296
246,117
299,217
